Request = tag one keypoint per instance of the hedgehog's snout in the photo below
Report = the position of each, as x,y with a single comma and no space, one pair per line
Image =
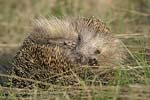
89,61
81,59
93,61
84,60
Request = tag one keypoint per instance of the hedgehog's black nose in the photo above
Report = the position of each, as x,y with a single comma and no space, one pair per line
92,61
84,60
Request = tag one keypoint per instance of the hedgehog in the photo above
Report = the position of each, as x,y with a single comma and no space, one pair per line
56,51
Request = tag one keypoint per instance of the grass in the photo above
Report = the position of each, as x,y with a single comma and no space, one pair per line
128,20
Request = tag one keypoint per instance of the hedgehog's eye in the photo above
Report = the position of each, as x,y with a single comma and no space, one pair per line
97,52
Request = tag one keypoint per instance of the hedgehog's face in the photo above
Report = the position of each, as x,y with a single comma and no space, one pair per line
98,49
88,48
